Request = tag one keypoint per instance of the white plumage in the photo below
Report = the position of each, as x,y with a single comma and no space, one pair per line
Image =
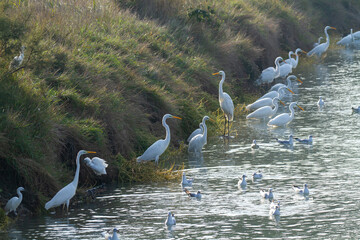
285,69
302,191
197,142
159,147
289,84
170,220
284,118
254,145
318,42
267,194
264,112
226,103
347,40
66,193
14,202
196,132
256,175
259,103
292,61
17,61
242,182
321,102
279,93
305,141
269,74
185,181
321,48
275,211
289,142
98,165
113,237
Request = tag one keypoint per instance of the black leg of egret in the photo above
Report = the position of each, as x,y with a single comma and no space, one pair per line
225,126
228,128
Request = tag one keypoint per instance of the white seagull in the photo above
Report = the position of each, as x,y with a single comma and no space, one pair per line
97,164
302,191
242,182
195,195
289,142
356,110
273,204
256,175
113,237
267,194
14,202
321,102
305,141
254,145
185,181
170,220
275,211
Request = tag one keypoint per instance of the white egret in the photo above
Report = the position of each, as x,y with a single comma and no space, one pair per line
113,237
242,182
265,112
185,181
196,132
321,48
170,220
97,164
305,141
66,193
267,194
285,69
259,103
256,175
279,93
289,142
159,147
292,61
14,202
284,118
288,81
356,35
302,191
195,195
275,211
347,40
269,74
318,42
16,62
321,102
254,145
226,103
197,142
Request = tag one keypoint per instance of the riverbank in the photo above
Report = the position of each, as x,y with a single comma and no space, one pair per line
99,75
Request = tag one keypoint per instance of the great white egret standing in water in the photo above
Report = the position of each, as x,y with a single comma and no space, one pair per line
16,62
289,84
347,40
284,118
197,142
269,74
226,103
66,193
266,111
292,61
319,50
196,132
14,202
158,147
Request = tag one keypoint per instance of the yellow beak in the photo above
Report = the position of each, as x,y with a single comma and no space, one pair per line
91,152
333,28
290,90
300,107
303,51
299,80
176,117
211,119
282,102
215,73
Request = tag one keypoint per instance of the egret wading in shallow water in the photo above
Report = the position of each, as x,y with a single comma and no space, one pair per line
14,202
269,74
284,118
319,50
98,165
292,61
226,103
286,68
347,40
17,61
265,112
197,142
289,85
196,132
66,193
280,93
159,147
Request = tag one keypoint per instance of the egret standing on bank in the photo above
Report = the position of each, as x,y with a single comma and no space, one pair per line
226,103
159,147
66,193
14,202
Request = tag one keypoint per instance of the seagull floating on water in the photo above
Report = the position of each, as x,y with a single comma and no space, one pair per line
305,141
185,181
170,221
274,204
242,181
195,195
356,110
254,145
267,194
113,237
275,211
286,142
302,191
257,175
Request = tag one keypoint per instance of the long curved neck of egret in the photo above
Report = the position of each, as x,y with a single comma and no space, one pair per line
205,130
167,138
292,111
275,103
288,82
221,92
277,69
327,37
290,55
76,178
20,195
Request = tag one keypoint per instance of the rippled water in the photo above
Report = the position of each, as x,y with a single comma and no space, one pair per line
329,167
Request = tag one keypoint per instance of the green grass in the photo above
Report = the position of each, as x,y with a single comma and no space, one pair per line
99,75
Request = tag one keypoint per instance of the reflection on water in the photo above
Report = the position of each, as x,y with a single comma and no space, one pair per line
227,212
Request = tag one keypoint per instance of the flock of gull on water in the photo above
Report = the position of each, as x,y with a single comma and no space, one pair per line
264,108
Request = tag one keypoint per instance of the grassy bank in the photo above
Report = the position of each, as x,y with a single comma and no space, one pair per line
99,75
